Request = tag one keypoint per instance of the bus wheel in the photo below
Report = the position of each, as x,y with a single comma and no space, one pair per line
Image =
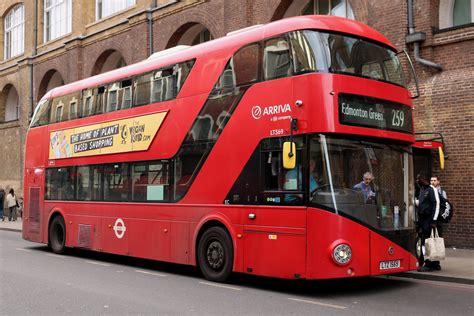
57,235
215,254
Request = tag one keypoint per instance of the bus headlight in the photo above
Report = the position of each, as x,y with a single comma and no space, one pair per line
342,254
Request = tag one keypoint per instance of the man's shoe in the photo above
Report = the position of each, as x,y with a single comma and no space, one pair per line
424,269
435,267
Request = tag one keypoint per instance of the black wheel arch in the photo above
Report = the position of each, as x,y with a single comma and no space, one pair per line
55,214
202,230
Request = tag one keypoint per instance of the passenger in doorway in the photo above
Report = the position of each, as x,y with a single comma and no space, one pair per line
367,188
436,184
2,202
427,210
12,204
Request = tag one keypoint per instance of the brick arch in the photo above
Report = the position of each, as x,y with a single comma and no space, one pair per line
5,92
281,10
359,8
102,59
10,8
200,15
43,86
181,31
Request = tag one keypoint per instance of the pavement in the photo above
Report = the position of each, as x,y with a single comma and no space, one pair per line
458,267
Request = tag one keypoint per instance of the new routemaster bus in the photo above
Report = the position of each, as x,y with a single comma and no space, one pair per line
243,154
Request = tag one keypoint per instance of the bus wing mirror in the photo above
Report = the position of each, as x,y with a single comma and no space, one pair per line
441,158
289,155
413,73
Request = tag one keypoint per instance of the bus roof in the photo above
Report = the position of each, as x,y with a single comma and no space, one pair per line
228,44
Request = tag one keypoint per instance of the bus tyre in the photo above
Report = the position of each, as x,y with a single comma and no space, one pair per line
57,235
215,254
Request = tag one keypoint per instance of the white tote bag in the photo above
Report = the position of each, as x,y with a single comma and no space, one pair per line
434,247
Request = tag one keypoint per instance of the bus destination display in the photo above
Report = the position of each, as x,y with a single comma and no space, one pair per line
374,113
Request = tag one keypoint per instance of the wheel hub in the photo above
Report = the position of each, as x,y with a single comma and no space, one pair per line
215,255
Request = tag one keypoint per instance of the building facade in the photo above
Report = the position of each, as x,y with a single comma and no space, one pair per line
48,43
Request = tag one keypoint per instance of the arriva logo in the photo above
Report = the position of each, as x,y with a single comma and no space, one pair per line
257,112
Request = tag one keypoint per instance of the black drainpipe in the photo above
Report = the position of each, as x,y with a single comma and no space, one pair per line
416,38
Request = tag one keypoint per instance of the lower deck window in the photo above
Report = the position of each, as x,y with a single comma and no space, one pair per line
118,182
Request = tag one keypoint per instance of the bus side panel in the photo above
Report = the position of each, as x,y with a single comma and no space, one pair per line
275,242
85,231
325,231
240,137
149,239
384,250
33,194
274,252
33,204
114,235
179,252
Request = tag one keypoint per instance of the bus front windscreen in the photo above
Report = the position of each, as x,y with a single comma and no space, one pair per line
367,181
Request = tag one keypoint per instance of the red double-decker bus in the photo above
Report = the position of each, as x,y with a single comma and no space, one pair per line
279,150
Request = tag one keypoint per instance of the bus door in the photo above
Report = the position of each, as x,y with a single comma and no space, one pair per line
270,247
274,233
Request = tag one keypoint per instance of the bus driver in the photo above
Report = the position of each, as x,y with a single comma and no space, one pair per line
367,188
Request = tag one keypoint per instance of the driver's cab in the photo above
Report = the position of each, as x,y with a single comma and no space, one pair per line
367,180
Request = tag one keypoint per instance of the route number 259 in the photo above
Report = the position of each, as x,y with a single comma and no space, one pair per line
398,118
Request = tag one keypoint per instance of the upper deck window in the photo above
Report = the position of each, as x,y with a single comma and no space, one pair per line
41,115
327,52
105,8
143,89
277,59
307,52
355,56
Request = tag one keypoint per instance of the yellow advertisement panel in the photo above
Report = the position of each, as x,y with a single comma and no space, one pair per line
130,134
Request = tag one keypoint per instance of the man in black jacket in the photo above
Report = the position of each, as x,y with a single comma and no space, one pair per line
428,210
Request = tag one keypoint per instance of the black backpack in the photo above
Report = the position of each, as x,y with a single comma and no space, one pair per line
445,209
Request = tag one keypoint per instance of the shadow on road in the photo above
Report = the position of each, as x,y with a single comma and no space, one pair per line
308,288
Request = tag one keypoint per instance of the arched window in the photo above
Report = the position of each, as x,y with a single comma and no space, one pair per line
463,12
12,105
455,13
202,37
15,32
104,8
329,7
57,18
190,34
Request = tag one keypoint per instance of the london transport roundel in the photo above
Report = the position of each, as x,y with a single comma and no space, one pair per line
119,228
